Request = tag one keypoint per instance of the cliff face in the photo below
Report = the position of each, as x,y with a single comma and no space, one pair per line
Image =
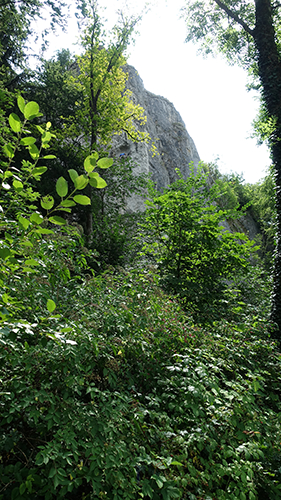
165,126
175,147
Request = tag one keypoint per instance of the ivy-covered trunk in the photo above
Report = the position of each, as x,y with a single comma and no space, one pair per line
269,65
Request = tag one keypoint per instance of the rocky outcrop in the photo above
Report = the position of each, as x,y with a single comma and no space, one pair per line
175,147
166,128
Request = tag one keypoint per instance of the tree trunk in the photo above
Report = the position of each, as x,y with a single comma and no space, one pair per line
269,65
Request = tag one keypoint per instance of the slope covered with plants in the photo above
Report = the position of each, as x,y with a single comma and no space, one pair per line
135,359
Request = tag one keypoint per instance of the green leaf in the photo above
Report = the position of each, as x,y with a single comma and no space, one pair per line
49,157
82,200
27,141
73,174
18,185
52,472
38,171
41,230
22,488
23,222
47,202
21,103
36,218
81,182
62,187
90,163
67,203
55,219
5,252
31,262
9,150
98,183
105,162
33,151
31,110
15,123
51,305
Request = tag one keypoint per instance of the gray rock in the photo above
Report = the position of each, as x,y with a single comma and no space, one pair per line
165,126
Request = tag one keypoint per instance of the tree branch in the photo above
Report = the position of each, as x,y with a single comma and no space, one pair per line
235,17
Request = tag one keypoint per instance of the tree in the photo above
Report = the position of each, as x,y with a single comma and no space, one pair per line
248,32
105,107
16,28
196,255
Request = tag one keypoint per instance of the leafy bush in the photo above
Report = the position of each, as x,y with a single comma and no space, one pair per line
196,255
122,396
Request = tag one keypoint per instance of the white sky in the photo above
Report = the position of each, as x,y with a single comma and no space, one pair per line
210,96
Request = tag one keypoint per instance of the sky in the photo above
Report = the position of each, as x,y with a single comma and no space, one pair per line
210,95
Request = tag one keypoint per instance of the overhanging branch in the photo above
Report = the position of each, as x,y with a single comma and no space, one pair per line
235,17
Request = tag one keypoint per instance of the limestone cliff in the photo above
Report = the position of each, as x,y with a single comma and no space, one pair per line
165,126
175,147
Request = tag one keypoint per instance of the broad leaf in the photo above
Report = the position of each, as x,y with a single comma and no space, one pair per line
62,187
47,202
105,162
55,219
36,218
82,200
67,203
90,163
21,103
49,157
31,110
81,182
51,305
98,183
27,141
33,151
73,174
9,150
23,222
39,171
18,185
15,122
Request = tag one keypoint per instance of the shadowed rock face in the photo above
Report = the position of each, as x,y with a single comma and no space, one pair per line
166,128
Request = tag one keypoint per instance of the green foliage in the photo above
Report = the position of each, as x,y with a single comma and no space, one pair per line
21,222
122,396
16,28
115,228
196,255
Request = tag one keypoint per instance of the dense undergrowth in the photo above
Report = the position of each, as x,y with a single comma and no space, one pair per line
120,395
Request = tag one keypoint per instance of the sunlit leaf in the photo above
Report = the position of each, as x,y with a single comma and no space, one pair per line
9,150
81,182
24,222
73,174
98,183
51,305
36,218
31,110
39,171
105,162
33,151
90,163
62,187
15,122
55,219
21,103
67,203
47,202
82,200
27,141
